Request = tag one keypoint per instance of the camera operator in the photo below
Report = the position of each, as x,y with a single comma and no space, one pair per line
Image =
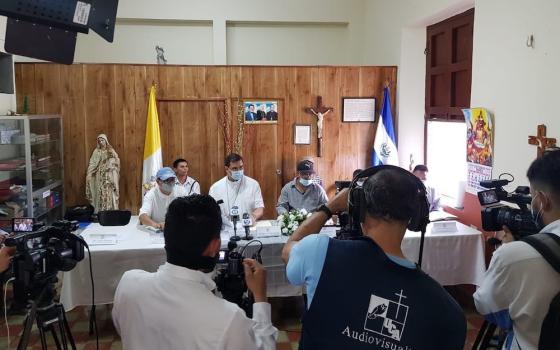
368,278
519,285
174,308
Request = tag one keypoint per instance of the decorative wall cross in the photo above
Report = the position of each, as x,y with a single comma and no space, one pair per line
541,141
319,111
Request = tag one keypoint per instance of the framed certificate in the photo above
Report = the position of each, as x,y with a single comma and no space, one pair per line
358,109
302,134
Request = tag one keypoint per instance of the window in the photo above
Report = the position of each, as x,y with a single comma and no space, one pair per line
447,153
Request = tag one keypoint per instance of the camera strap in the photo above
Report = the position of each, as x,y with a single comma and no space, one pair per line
548,245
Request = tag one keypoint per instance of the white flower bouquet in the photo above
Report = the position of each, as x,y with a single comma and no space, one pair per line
290,221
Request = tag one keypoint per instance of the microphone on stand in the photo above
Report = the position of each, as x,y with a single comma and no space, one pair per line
247,224
234,214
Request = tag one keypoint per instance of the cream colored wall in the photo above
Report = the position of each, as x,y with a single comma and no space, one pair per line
519,84
218,32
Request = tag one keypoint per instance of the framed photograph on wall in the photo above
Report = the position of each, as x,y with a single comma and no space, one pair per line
302,134
358,109
261,111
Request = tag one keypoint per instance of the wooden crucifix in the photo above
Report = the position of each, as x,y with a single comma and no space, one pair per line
319,111
541,141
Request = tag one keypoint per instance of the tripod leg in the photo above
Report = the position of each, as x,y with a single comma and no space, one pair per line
28,324
55,337
42,334
67,327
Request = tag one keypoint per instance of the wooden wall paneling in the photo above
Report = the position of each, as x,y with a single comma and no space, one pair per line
193,82
113,99
170,82
328,82
125,131
348,150
47,90
214,149
25,87
73,120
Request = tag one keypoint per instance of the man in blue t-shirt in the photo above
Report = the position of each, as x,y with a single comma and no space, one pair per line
363,293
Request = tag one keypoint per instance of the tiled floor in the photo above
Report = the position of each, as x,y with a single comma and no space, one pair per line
285,317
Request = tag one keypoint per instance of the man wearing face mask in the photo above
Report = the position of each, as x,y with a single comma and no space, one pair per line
421,172
301,192
237,189
156,200
519,285
175,308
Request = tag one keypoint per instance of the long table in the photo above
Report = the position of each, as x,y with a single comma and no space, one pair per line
450,258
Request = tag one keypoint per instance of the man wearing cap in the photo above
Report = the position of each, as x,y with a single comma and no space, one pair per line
156,200
301,192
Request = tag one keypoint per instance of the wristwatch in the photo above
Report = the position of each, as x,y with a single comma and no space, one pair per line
325,210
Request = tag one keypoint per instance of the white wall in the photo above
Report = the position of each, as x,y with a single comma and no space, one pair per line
289,44
217,32
135,42
517,83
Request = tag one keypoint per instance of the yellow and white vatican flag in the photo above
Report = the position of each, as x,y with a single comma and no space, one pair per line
152,145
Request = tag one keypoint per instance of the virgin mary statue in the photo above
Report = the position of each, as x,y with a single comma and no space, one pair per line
102,180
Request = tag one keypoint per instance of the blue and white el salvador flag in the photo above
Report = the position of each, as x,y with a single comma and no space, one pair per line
384,146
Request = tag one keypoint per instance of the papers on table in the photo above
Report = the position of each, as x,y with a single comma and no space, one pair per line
101,238
440,215
444,227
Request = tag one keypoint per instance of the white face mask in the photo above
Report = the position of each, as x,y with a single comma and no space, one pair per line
166,187
537,217
306,182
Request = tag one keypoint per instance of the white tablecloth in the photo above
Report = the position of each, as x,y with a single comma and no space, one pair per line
453,258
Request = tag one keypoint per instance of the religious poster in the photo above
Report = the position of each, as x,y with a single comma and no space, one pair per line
265,112
480,147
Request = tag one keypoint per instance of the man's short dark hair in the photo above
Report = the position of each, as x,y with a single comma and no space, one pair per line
191,223
178,161
231,158
420,167
391,195
545,172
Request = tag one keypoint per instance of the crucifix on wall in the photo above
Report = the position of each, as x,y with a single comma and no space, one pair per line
320,112
541,141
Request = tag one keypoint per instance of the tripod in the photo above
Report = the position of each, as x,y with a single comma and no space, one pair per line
49,316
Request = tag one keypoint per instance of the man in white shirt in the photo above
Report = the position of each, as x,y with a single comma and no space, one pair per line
157,199
519,285
181,169
174,308
421,172
237,189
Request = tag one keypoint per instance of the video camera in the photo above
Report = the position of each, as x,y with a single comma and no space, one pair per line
41,254
494,215
230,276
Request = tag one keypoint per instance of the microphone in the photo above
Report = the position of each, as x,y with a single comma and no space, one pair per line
234,214
246,224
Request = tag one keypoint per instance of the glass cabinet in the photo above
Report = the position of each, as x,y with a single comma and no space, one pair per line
31,168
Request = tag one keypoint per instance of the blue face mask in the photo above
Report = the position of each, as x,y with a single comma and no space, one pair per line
237,175
306,182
